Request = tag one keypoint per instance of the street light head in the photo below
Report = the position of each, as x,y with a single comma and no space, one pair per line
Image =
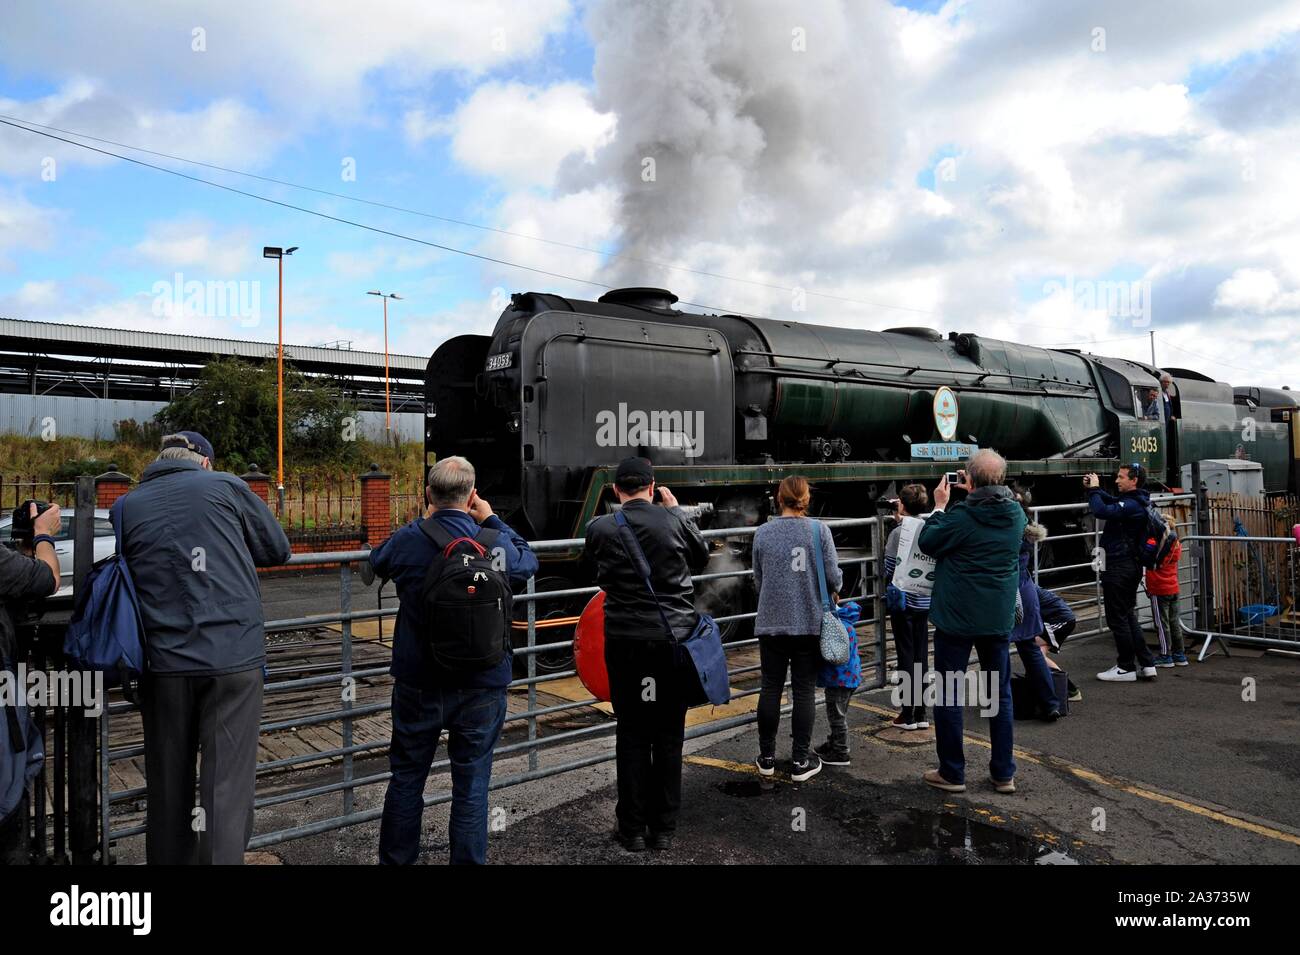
271,251
291,250
374,293
395,295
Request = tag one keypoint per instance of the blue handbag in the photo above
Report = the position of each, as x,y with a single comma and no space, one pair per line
703,646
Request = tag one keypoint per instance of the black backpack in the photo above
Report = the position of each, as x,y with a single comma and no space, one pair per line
1156,539
467,601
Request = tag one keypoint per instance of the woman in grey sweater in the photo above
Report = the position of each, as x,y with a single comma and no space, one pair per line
789,623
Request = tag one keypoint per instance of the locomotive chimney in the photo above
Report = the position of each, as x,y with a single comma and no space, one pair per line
656,298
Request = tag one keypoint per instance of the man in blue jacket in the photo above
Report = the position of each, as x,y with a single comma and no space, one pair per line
470,705
193,538
1125,514
976,547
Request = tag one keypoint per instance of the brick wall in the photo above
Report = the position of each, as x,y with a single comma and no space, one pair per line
317,542
110,485
376,506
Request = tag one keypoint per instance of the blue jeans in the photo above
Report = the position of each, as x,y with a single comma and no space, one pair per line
1038,674
951,655
473,719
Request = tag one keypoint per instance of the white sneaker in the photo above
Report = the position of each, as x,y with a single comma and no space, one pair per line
1117,675
1147,673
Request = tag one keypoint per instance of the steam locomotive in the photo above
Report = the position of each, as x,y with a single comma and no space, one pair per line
728,405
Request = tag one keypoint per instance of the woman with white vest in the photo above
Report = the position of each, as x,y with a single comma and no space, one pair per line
910,573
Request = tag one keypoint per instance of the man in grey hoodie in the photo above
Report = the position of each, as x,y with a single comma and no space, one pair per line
193,538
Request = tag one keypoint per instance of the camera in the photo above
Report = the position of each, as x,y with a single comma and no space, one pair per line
23,529
955,478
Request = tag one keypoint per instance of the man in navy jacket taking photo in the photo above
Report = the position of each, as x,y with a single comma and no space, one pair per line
429,695
1125,514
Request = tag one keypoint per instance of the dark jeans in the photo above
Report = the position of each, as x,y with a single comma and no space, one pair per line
912,641
1119,586
1039,674
801,656
649,683
837,715
215,717
472,719
951,655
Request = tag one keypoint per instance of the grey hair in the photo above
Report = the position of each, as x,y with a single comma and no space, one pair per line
986,467
450,482
176,447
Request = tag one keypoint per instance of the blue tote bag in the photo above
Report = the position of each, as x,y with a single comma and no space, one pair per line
106,632
703,646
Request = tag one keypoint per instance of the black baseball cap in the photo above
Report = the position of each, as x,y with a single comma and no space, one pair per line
635,472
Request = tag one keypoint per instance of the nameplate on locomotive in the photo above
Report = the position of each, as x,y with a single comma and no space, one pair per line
944,451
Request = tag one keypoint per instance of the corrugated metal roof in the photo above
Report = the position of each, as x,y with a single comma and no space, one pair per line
19,334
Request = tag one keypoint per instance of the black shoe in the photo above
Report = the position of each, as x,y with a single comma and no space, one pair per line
660,841
1051,716
807,769
766,765
1075,694
632,843
832,756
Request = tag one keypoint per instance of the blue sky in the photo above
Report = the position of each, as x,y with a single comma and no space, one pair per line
1166,158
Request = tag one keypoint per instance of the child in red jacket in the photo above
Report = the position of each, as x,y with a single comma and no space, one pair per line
1162,586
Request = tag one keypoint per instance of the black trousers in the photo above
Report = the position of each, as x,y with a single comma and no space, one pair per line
649,683
799,654
15,835
217,717
912,641
1119,587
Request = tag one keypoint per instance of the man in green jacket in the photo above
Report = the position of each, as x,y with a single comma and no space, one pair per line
976,547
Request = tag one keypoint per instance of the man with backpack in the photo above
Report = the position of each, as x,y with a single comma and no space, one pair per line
650,680
192,539
451,657
1122,539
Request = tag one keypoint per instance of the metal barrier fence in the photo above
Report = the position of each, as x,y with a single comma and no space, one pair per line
1078,581
1269,573
1188,567
869,591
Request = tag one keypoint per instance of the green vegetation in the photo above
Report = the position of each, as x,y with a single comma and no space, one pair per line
234,406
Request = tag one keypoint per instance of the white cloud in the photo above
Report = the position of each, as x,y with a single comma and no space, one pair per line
24,226
195,244
520,134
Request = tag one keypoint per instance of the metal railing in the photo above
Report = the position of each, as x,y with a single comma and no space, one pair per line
534,744
1263,572
1079,581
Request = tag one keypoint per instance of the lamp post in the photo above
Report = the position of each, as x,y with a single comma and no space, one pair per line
388,404
277,253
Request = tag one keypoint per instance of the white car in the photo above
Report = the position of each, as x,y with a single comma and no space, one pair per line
105,542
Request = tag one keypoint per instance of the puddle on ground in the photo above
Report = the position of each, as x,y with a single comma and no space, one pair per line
930,836
947,837
746,788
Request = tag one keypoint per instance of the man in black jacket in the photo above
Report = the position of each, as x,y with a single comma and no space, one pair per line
650,680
